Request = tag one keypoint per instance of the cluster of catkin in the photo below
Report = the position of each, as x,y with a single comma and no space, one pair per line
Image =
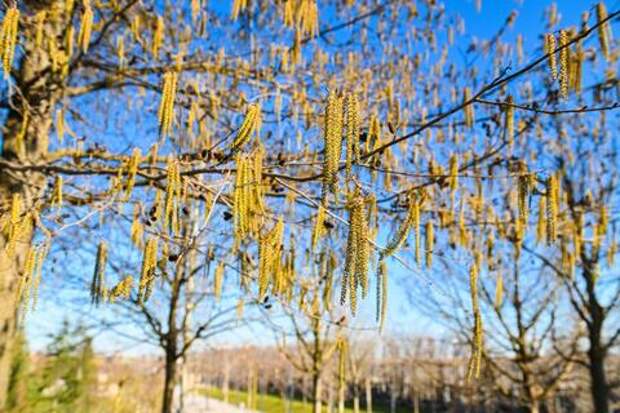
147,275
166,106
16,225
303,15
357,252
30,278
248,194
270,247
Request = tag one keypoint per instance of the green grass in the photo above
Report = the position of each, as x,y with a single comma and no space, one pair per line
269,403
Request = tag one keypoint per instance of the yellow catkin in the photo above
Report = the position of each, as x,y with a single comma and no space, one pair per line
509,121
8,37
39,19
136,28
541,227
69,41
122,289
218,280
147,274
120,51
499,291
552,208
319,227
14,224
60,124
403,230
238,7
357,253
332,142
604,29
524,181
305,18
473,368
97,286
132,170
57,192
86,26
158,36
382,293
270,252
247,196
469,108
549,49
173,195
352,125
430,242
453,179
251,123
137,230
564,64
166,105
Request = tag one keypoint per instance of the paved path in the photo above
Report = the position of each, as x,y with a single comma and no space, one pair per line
195,403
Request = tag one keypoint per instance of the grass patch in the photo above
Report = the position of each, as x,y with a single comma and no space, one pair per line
269,403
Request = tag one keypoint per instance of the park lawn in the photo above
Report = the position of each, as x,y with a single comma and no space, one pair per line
269,403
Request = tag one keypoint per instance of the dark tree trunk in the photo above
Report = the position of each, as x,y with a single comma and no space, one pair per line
597,353
169,381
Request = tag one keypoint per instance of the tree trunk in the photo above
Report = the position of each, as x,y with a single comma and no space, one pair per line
416,402
598,380
599,388
316,393
169,381
368,395
24,142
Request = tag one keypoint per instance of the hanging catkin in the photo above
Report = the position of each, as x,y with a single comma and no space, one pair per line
251,123
604,29
552,208
564,64
430,242
382,293
86,26
97,287
147,275
165,113
8,37
499,291
122,289
357,252
473,368
352,126
549,49
509,121
403,230
319,227
333,142
270,257
218,281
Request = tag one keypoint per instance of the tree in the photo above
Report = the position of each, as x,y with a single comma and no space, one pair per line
295,121
315,329
67,379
